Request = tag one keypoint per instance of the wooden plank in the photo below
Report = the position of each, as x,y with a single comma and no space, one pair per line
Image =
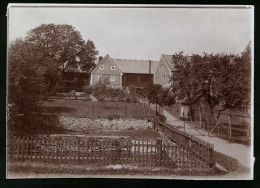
18,147
74,149
52,149
42,149
48,150
22,147
70,150
35,148
147,153
78,146
103,152
143,159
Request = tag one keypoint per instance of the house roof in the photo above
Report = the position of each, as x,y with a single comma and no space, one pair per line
76,69
168,60
135,66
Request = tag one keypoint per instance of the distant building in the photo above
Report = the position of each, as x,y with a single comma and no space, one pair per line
125,72
200,109
164,71
74,78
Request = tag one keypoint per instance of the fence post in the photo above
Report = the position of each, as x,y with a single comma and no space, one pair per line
159,149
156,123
93,110
230,129
200,116
125,111
144,111
210,157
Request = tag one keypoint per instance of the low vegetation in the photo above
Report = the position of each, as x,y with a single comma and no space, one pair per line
103,92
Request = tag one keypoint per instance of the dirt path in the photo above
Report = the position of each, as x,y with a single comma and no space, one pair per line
237,151
93,98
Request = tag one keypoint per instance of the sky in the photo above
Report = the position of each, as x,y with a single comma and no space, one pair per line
145,33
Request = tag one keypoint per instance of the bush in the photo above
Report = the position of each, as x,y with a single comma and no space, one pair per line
161,117
88,89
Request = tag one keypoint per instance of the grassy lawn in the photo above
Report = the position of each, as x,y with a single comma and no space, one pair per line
48,170
83,108
72,117
142,135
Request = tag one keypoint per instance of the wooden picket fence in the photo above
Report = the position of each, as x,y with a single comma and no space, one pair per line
85,150
201,149
70,97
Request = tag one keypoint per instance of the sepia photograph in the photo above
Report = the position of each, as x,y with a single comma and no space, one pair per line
130,91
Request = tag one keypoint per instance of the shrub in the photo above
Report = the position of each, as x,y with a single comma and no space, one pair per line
161,117
88,89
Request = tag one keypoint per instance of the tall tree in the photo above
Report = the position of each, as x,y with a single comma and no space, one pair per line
221,77
184,80
35,62
63,44
159,96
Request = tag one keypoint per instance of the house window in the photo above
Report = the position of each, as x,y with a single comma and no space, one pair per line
102,67
112,78
112,67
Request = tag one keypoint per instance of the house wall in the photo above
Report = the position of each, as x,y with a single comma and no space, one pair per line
204,113
162,74
75,81
136,80
98,72
116,83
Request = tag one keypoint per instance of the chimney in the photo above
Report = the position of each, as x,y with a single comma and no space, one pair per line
100,58
150,66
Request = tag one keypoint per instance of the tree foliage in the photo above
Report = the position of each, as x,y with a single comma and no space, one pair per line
159,96
222,77
63,44
35,63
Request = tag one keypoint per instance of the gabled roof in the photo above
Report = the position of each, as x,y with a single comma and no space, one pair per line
131,66
168,60
77,69
70,68
136,66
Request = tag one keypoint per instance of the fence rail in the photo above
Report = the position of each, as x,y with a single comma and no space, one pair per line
70,97
200,148
102,150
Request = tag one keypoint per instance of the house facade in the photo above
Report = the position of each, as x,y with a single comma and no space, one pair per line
164,71
200,109
125,72
74,78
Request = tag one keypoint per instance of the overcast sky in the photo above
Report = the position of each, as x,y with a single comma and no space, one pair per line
145,33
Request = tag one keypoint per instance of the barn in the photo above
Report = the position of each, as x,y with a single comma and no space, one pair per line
125,73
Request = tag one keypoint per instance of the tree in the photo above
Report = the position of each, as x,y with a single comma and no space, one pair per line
159,96
35,63
221,77
235,82
26,81
63,44
185,84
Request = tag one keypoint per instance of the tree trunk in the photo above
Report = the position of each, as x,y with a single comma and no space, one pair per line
191,114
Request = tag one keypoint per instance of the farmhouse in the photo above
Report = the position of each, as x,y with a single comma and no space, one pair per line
125,72
75,78
164,71
200,109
